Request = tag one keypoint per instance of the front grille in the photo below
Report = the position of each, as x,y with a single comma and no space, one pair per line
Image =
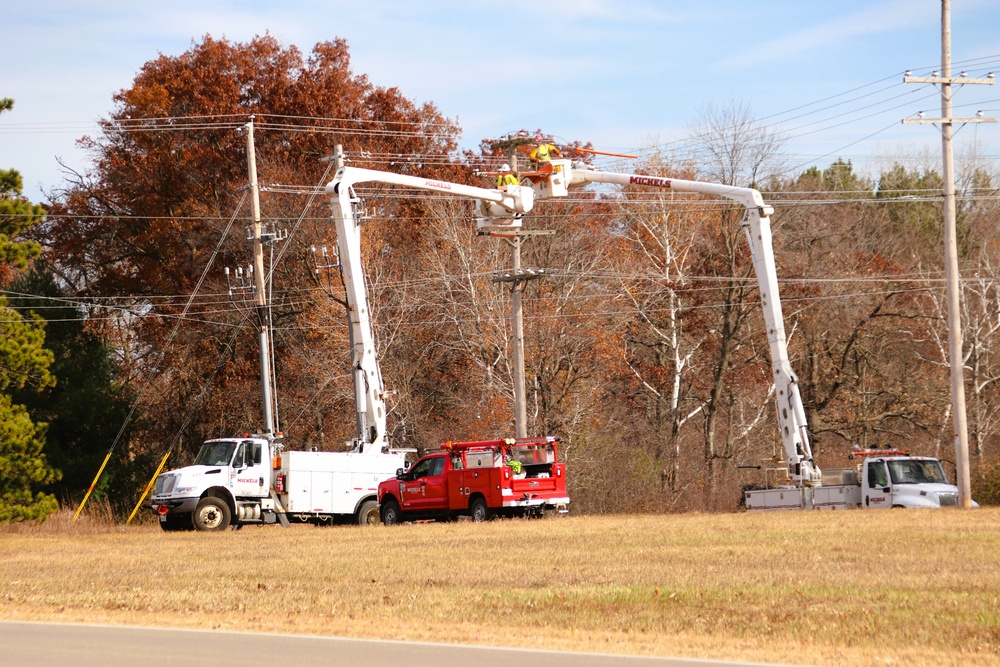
164,484
948,499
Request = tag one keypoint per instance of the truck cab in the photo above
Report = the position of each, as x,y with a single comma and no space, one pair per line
228,483
425,485
906,481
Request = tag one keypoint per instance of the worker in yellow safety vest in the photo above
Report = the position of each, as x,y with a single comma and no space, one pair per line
506,177
543,152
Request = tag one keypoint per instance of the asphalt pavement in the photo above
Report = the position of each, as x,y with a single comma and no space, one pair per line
27,644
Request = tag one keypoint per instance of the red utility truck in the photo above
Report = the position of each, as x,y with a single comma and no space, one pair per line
509,477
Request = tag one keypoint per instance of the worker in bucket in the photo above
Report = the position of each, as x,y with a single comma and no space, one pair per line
543,152
505,178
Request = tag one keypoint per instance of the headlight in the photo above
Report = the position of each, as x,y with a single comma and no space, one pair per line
180,490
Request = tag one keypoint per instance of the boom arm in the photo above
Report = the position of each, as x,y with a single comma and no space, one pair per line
499,209
757,225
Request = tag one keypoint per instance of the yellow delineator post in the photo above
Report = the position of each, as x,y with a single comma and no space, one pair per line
149,487
92,485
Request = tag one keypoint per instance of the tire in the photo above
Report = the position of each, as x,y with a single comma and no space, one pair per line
391,515
368,514
212,514
479,511
175,522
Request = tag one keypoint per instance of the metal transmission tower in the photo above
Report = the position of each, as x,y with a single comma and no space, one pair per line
953,289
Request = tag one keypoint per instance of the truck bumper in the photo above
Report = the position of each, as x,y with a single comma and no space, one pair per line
536,502
174,505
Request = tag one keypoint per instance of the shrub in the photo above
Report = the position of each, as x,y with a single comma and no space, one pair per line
986,484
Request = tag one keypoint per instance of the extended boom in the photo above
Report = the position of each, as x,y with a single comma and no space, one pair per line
498,210
757,225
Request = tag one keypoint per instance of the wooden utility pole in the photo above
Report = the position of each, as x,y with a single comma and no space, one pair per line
517,314
260,294
518,277
952,278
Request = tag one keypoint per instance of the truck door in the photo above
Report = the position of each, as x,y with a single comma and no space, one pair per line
878,491
249,477
427,488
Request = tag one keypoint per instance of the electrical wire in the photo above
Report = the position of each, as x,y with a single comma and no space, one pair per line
166,346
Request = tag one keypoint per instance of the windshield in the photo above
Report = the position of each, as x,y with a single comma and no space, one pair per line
427,468
917,472
215,453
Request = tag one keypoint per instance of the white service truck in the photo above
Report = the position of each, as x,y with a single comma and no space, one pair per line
252,479
883,479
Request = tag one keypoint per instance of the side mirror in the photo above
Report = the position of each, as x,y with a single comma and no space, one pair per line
400,472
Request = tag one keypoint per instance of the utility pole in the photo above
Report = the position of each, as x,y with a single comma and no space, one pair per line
518,278
952,279
260,294
520,403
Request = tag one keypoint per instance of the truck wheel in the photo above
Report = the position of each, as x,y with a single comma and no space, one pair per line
479,511
212,514
390,513
368,513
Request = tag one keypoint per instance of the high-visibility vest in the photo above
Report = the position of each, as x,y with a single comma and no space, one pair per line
542,153
506,178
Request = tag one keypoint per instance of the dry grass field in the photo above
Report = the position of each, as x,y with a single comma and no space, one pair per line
840,588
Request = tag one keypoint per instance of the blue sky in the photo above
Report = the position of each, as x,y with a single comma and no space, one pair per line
623,74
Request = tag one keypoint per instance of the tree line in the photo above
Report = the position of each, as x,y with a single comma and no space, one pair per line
644,344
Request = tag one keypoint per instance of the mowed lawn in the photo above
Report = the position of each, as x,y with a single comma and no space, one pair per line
896,587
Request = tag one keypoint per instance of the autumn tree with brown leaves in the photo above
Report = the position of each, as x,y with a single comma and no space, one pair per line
163,208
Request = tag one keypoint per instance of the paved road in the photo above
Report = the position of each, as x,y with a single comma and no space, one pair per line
58,645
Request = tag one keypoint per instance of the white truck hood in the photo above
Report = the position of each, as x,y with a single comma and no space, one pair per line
925,495
197,477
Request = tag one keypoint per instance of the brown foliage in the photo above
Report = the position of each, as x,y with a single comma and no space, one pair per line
168,171
645,349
